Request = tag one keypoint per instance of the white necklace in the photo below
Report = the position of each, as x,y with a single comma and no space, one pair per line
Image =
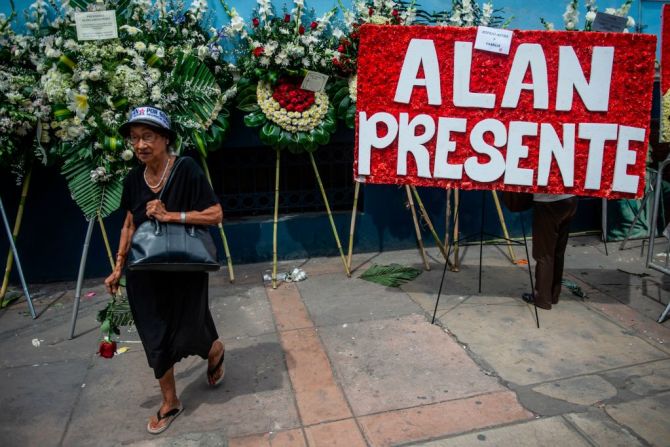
160,182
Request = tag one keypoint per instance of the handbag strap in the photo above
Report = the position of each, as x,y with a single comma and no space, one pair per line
169,180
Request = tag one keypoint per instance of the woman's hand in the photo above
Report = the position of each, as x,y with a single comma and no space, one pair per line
156,209
112,282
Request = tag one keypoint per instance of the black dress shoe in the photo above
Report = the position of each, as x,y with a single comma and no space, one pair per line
530,299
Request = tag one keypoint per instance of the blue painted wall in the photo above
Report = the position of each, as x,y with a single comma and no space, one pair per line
51,239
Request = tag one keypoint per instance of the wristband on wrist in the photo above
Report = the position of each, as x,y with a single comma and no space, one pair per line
182,217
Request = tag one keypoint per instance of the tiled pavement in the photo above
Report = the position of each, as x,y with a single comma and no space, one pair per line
333,361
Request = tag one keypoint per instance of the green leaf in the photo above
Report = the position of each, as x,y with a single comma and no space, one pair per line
393,275
190,71
94,198
247,99
252,107
350,117
270,134
255,119
319,136
343,107
341,94
9,298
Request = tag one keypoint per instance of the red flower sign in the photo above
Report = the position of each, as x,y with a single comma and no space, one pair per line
564,112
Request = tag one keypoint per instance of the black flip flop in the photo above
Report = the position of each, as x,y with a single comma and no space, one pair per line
169,417
211,372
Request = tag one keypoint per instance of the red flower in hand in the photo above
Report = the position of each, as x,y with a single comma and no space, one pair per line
258,51
301,30
313,25
107,349
371,11
287,18
256,22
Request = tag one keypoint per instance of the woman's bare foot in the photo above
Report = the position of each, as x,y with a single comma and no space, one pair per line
215,366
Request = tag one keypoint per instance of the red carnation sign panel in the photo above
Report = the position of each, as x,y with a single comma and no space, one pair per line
665,75
564,112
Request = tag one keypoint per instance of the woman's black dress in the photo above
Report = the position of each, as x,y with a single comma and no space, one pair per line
170,309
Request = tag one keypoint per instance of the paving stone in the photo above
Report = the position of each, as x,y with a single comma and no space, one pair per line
318,397
288,438
287,307
602,431
643,380
571,341
334,299
415,359
36,401
648,295
241,311
19,349
212,439
584,390
441,419
335,434
618,308
254,397
540,432
508,280
648,417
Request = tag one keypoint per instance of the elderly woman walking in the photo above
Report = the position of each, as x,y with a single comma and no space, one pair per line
170,309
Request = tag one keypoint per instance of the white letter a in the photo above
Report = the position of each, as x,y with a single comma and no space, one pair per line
419,52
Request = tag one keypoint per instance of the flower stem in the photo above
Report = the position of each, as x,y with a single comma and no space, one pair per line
274,224
231,272
425,216
501,217
15,232
106,240
417,228
330,214
352,228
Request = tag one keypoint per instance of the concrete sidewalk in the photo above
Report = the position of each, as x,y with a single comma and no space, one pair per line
333,361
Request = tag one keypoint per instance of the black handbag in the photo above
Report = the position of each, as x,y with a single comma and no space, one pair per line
172,247
517,201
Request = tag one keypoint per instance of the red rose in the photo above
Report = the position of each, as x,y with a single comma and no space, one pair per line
371,11
256,22
107,349
301,30
395,13
258,51
313,25
341,49
287,18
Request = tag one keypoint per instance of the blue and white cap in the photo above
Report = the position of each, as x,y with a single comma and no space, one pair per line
150,116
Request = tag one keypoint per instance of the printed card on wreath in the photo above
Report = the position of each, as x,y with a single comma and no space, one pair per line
564,112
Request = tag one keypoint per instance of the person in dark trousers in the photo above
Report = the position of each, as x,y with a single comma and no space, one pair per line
552,215
170,309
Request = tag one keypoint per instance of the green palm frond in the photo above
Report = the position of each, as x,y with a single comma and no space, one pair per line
116,314
196,83
393,275
93,198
